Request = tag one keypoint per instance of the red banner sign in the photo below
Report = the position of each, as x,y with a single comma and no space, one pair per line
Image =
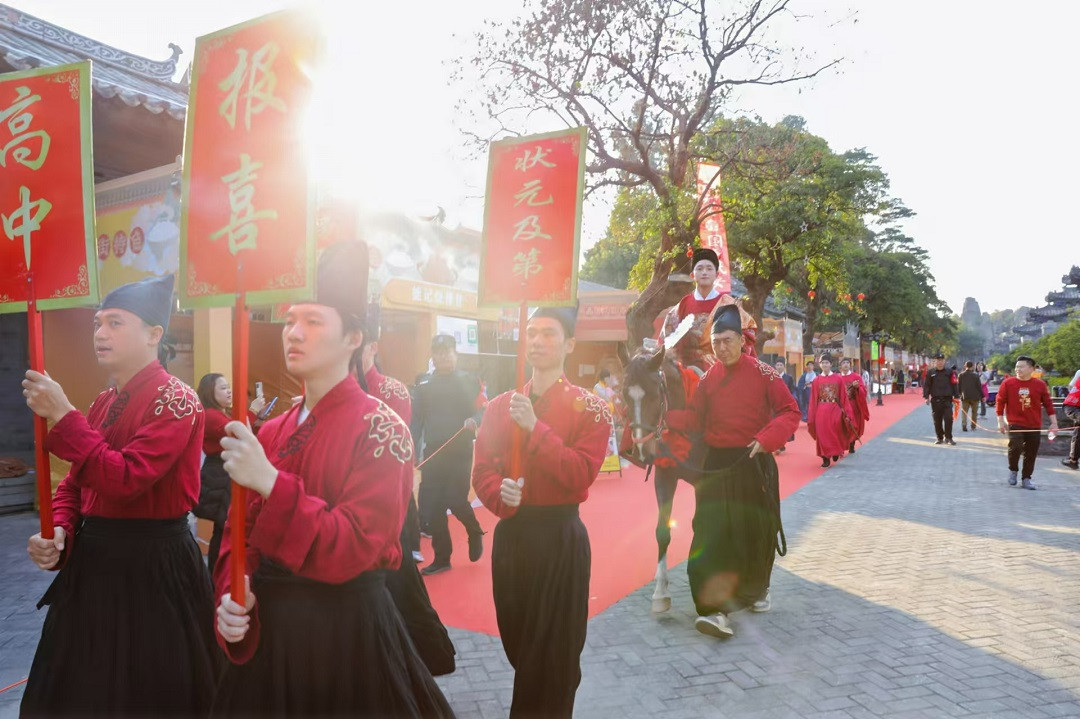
711,230
46,189
532,220
247,203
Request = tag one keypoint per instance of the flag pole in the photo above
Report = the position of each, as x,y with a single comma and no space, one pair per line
519,434
41,428
238,504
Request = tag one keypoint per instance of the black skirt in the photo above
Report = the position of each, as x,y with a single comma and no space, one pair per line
737,530
540,567
129,630
215,491
328,650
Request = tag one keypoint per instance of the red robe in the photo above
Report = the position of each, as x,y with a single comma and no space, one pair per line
860,410
825,416
737,405
394,393
561,456
135,455
336,510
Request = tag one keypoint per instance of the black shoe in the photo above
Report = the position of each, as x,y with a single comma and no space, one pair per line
1070,464
964,429
950,441
836,458
940,441
825,462
851,448
435,568
476,547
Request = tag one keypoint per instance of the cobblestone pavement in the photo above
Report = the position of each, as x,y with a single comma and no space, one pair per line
918,584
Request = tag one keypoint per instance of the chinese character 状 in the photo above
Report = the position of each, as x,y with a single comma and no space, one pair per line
254,82
242,231
28,215
526,264
529,229
530,160
528,194
18,124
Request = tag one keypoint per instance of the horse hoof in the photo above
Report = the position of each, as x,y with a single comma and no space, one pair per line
661,605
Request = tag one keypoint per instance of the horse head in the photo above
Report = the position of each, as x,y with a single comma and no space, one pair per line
652,386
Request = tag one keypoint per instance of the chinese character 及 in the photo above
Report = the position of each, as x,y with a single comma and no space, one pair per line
242,230
529,229
526,264
29,216
18,122
260,81
529,160
528,194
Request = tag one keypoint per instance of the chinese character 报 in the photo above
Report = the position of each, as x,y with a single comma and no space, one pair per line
529,229
526,264
528,194
18,123
530,160
255,83
28,215
242,230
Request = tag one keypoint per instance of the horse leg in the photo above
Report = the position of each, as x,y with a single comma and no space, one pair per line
665,482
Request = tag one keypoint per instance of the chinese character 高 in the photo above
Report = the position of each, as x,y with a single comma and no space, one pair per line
18,124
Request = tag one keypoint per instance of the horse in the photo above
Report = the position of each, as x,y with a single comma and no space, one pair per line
653,384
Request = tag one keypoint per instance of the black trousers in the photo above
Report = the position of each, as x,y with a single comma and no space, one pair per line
540,567
942,409
446,478
1023,443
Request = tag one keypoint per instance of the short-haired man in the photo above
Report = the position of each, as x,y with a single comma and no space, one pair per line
1020,404
939,390
970,395
803,387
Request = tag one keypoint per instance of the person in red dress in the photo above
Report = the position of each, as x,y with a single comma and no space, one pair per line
328,484
540,555
746,413
856,392
829,414
128,631
691,350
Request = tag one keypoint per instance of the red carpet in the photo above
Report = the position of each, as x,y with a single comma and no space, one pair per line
621,516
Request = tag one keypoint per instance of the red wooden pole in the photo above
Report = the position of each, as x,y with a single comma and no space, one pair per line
41,428
519,434
238,507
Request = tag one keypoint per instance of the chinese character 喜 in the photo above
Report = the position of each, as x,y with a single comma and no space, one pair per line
242,230
260,84
18,122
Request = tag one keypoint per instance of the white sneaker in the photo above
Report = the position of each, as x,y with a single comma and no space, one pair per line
418,557
764,604
715,625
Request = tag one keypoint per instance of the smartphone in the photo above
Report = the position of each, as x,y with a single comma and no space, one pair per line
267,409
258,389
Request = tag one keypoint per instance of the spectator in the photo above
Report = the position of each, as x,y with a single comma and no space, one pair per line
802,393
970,396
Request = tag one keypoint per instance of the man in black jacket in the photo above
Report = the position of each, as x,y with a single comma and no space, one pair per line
940,388
970,395
444,422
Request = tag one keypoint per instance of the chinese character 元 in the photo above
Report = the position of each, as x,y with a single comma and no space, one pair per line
529,229
18,123
528,195
242,230
257,83
526,264
530,160
28,215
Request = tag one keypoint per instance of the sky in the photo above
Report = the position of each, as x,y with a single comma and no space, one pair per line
966,104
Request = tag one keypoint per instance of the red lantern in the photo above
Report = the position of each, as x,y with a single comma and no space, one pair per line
847,297
827,311
690,251
861,296
811,294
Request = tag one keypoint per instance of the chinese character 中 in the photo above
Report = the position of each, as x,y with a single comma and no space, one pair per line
242,231
28,215
529,229
530,160
526,265
260,81
18,122
528,194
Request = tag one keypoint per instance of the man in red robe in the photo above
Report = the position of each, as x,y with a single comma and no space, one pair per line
127,633
329,483
829,415
856,392
540,555
747,413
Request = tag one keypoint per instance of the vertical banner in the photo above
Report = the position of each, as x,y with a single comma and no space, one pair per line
46,189
532,220
711,230
246,195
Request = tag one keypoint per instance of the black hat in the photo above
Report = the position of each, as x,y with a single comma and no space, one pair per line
726,317
826,357
149,299
939,355
341,281
567,317
443,342
705,253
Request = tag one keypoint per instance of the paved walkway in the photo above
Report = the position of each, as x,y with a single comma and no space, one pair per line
918,584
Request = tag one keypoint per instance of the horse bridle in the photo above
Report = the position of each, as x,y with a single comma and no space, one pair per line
655,431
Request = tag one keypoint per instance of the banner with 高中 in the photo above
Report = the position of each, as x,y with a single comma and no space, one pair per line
46,189
712,231
532,220
248,208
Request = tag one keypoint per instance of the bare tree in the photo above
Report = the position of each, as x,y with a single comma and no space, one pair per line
645,77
